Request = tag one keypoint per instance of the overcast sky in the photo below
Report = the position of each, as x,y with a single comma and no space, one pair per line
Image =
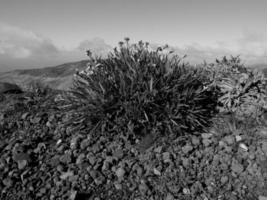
37,33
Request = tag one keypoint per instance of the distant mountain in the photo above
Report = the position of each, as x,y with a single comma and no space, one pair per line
265,72
262,67
61,76
58,77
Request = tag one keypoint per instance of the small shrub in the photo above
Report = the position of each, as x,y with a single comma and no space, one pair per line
144,91
242,90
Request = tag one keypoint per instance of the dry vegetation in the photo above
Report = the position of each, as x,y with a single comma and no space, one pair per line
139,124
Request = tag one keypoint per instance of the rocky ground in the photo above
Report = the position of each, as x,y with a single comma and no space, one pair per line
43,158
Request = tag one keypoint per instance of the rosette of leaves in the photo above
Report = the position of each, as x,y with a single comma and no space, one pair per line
242,90
143,90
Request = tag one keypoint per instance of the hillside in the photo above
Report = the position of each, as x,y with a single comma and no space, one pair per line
58,77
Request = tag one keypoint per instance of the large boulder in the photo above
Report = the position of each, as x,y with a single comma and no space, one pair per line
9,88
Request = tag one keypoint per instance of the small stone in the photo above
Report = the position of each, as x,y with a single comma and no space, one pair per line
99,180
169,197
262,198
60,168
229,139
73,195
206,135
156,172
195,141
7,182
166,157
118,186
118,154
222,144
74,142
185,162
22,164
84,144
143,188
224,179
186,191
238,138
54,161
243,147
80,158
43,190
262,132
59,142
92,159
66,175
25,115
264,148
66,158
206,142
187,148
236,167
158,149
120,173
93,174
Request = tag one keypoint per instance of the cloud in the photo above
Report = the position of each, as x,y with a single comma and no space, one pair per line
96,45
19,43
20,48
251,47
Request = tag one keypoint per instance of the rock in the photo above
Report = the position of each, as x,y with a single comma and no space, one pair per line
166,156
158,149
80,158
243,147
206,135
206,142
55,160
93,174
59,142
7,182
96,148
156,172
73,195
262,132
187,148
185,162
66,158
118,186
236,167
22,164
66,175
264,148
25,115
100,179
195,141
169,197
92,159
74,142
120,173
143,188
238,138
262,198
84,143
229,139
224,179
186,191
118,154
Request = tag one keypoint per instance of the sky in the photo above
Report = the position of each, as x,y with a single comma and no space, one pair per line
38,33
